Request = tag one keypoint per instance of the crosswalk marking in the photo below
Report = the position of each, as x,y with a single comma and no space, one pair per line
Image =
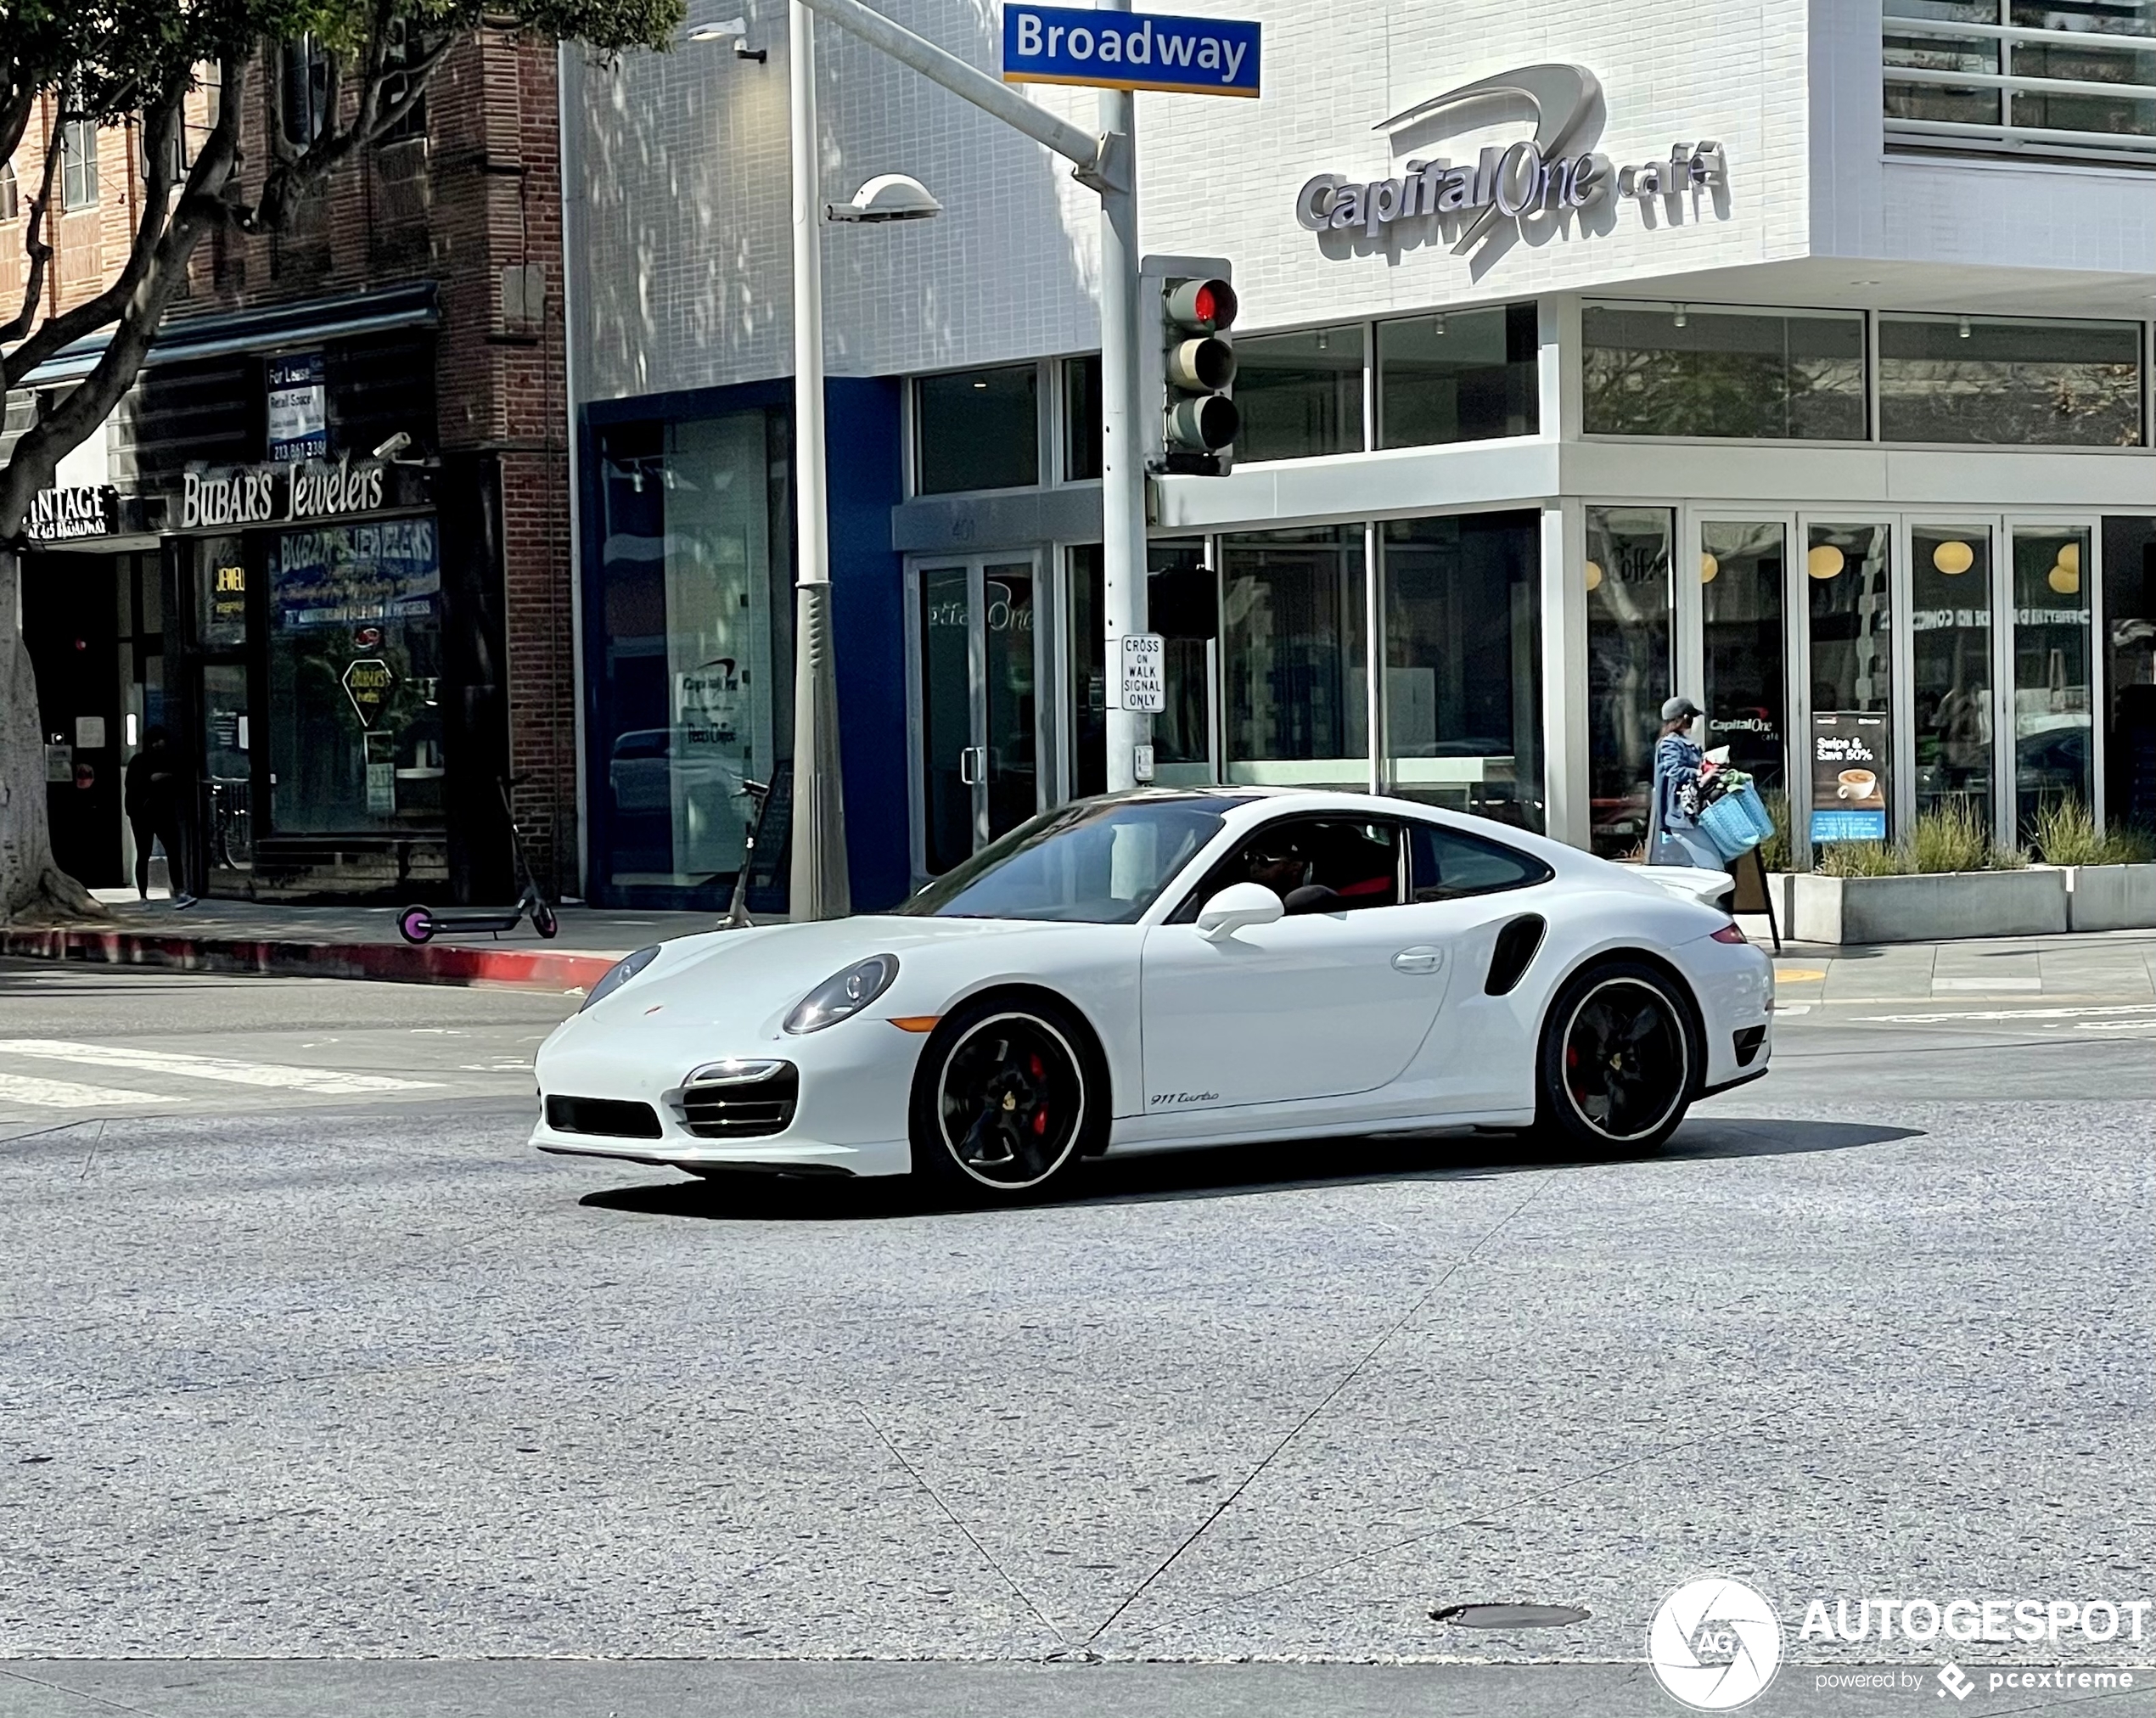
65,1094
326,1081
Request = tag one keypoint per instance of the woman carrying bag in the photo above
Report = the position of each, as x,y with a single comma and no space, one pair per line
1674,836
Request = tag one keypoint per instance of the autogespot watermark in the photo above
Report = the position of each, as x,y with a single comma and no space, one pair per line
1716,1643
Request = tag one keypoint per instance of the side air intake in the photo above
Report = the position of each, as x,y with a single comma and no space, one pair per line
1516,945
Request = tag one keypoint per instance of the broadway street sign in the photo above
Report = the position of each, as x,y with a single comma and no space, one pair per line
1125,50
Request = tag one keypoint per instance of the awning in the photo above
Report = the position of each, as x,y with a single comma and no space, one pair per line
219,334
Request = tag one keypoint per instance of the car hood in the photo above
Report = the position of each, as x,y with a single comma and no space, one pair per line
747,980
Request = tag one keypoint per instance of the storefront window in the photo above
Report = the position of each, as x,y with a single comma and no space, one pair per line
1950,580
2130,622
1293,651
1183,605
1849,761
1463,683
1301,395
355,678
1082,417
1462,376
2052,721
2013,380
1741,571
220,593
1629,674
1683,370
978,429
692,630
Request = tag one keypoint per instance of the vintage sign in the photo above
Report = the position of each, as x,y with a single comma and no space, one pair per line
299,407
1141,683
78,510
1548,174
301,489
1126,50
369,682
1850,755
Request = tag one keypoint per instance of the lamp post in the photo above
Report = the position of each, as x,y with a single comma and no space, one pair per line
818,885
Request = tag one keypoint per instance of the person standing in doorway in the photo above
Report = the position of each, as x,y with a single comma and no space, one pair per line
1674,836
151,797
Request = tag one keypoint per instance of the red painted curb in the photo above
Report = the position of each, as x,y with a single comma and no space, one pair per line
435,963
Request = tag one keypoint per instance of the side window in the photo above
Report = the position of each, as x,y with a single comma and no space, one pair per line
1446,865
1314,865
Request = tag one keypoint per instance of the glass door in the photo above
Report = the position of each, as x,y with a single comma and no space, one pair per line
977,679
2054,723
1742,653
1952,704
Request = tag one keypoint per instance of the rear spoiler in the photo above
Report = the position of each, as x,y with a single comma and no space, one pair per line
1691,884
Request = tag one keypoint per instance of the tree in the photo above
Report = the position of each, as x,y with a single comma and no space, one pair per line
138,62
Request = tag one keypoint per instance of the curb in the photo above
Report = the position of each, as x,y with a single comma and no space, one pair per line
434,964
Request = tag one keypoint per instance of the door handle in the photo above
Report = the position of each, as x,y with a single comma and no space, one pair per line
1422,958
970,761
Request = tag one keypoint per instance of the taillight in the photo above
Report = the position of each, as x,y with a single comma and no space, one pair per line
1731,933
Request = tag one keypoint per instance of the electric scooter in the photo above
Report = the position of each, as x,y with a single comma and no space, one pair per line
737,912
421,925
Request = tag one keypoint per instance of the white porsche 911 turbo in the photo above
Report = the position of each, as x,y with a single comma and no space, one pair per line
1170,969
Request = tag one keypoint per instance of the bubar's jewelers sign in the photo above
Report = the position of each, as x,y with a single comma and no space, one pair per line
84,510
1546,174
211,500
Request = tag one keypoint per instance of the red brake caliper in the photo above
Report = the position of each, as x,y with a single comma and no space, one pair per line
1040,1111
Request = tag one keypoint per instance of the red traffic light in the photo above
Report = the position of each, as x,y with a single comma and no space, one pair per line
1206,306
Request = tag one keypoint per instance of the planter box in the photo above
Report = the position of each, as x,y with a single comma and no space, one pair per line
1928,909
2111,897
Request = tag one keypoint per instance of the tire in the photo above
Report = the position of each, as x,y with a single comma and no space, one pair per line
416,925
1620,1062
544,922
1009,1093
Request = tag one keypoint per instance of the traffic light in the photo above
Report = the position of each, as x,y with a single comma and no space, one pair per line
1198,419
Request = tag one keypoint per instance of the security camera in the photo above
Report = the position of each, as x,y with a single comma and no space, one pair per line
396,445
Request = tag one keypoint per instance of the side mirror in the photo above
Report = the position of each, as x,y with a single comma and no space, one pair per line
1237,905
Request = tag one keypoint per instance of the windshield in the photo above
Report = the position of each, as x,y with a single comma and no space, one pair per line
1098,862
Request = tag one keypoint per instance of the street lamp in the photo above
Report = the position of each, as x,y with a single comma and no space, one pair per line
817,884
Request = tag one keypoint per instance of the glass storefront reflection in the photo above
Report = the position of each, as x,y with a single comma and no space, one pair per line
1463,683
1742,571
1292,654
2130,624
1949,578
2053,721
1629,675
692,649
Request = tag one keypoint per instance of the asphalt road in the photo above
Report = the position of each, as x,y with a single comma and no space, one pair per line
292,1374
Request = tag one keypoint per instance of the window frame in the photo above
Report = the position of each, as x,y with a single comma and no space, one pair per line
79,186
1499,849
1045,430
1210,884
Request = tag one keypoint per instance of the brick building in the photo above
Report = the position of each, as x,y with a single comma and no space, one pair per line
324,540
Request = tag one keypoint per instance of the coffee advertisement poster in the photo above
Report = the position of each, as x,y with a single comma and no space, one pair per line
1849,775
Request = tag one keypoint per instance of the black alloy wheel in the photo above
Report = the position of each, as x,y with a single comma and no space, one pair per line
1005,1099
1617,1060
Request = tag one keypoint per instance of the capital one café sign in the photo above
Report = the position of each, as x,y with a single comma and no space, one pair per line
1550,173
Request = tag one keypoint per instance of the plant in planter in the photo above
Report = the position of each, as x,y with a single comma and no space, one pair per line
1948,879
2110,880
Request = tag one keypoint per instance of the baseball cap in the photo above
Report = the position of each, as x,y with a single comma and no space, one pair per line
1676,707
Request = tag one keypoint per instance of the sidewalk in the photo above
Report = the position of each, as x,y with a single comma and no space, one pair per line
2109,967
361,942
348,942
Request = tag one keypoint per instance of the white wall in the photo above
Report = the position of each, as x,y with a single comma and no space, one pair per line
681,169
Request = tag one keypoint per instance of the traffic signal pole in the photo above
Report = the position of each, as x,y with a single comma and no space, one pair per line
1122,465
1108,164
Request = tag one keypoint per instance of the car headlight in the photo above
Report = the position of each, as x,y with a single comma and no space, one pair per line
621,972
844,995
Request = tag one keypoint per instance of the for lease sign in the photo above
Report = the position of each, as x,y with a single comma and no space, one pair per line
1125,50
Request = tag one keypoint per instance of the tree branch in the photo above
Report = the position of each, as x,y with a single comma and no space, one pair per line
37,250
37,454
93,314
